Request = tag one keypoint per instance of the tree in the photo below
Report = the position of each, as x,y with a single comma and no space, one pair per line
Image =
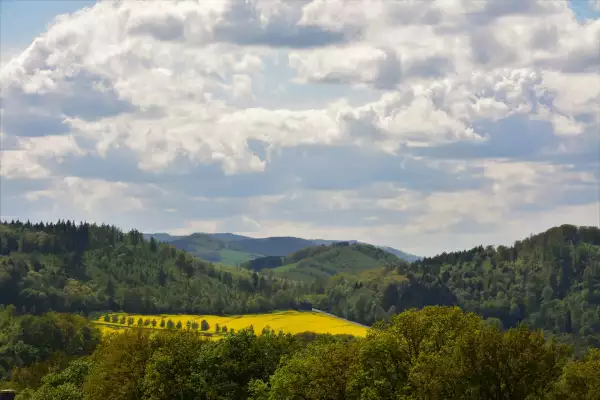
114,318
119,367
153,323
204,325
309,373
188,324
224,329
106,318
170,324
179,325
162,323
580,379
217,328
122,320
195,325
140,322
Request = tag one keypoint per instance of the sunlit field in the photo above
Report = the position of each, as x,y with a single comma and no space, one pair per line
286,321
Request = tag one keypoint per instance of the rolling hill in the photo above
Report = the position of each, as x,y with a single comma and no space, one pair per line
85,267
321,262
233,249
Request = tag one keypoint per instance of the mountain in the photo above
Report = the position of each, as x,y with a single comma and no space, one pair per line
321,262
233,249
87,267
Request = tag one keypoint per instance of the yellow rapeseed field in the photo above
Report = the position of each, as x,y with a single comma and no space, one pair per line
287,321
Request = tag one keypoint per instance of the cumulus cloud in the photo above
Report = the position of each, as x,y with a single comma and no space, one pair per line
448,120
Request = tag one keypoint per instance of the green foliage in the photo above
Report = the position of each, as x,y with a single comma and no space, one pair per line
178,325
170,324
320,262
66,384
28,339
321,371
119,366
86,267
430,354
204,325
549,281
580,379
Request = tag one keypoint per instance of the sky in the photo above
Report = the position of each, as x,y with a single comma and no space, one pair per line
428,126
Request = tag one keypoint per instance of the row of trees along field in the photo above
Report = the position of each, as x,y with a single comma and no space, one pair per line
433,353
164,323
84,267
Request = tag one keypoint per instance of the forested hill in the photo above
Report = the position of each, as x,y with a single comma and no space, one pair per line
550,281
87,267
321,262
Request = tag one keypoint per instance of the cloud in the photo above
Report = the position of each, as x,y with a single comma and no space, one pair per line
427,126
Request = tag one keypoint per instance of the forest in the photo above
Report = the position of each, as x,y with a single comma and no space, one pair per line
433,353
84,268
543,291
550,281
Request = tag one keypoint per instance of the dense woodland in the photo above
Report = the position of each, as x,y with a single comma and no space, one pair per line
550,281
85,267
433,353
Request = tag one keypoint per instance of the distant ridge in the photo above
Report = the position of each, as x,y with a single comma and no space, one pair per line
234,249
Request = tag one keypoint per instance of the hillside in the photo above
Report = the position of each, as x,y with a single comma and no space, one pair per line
550,281
321,262
86,267
232,249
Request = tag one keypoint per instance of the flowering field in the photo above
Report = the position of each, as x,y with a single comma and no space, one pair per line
287,321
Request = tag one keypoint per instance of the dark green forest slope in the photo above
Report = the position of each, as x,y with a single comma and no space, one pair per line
550,281
433,353
86,267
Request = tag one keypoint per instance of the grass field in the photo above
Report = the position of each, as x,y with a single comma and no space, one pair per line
234,257
287,321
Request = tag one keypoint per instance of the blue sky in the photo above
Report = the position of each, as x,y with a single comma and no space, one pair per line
323,120
23,21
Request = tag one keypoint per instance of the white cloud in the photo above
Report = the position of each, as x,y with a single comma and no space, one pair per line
410,123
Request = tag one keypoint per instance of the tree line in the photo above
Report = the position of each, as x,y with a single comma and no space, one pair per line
130,321
433,353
